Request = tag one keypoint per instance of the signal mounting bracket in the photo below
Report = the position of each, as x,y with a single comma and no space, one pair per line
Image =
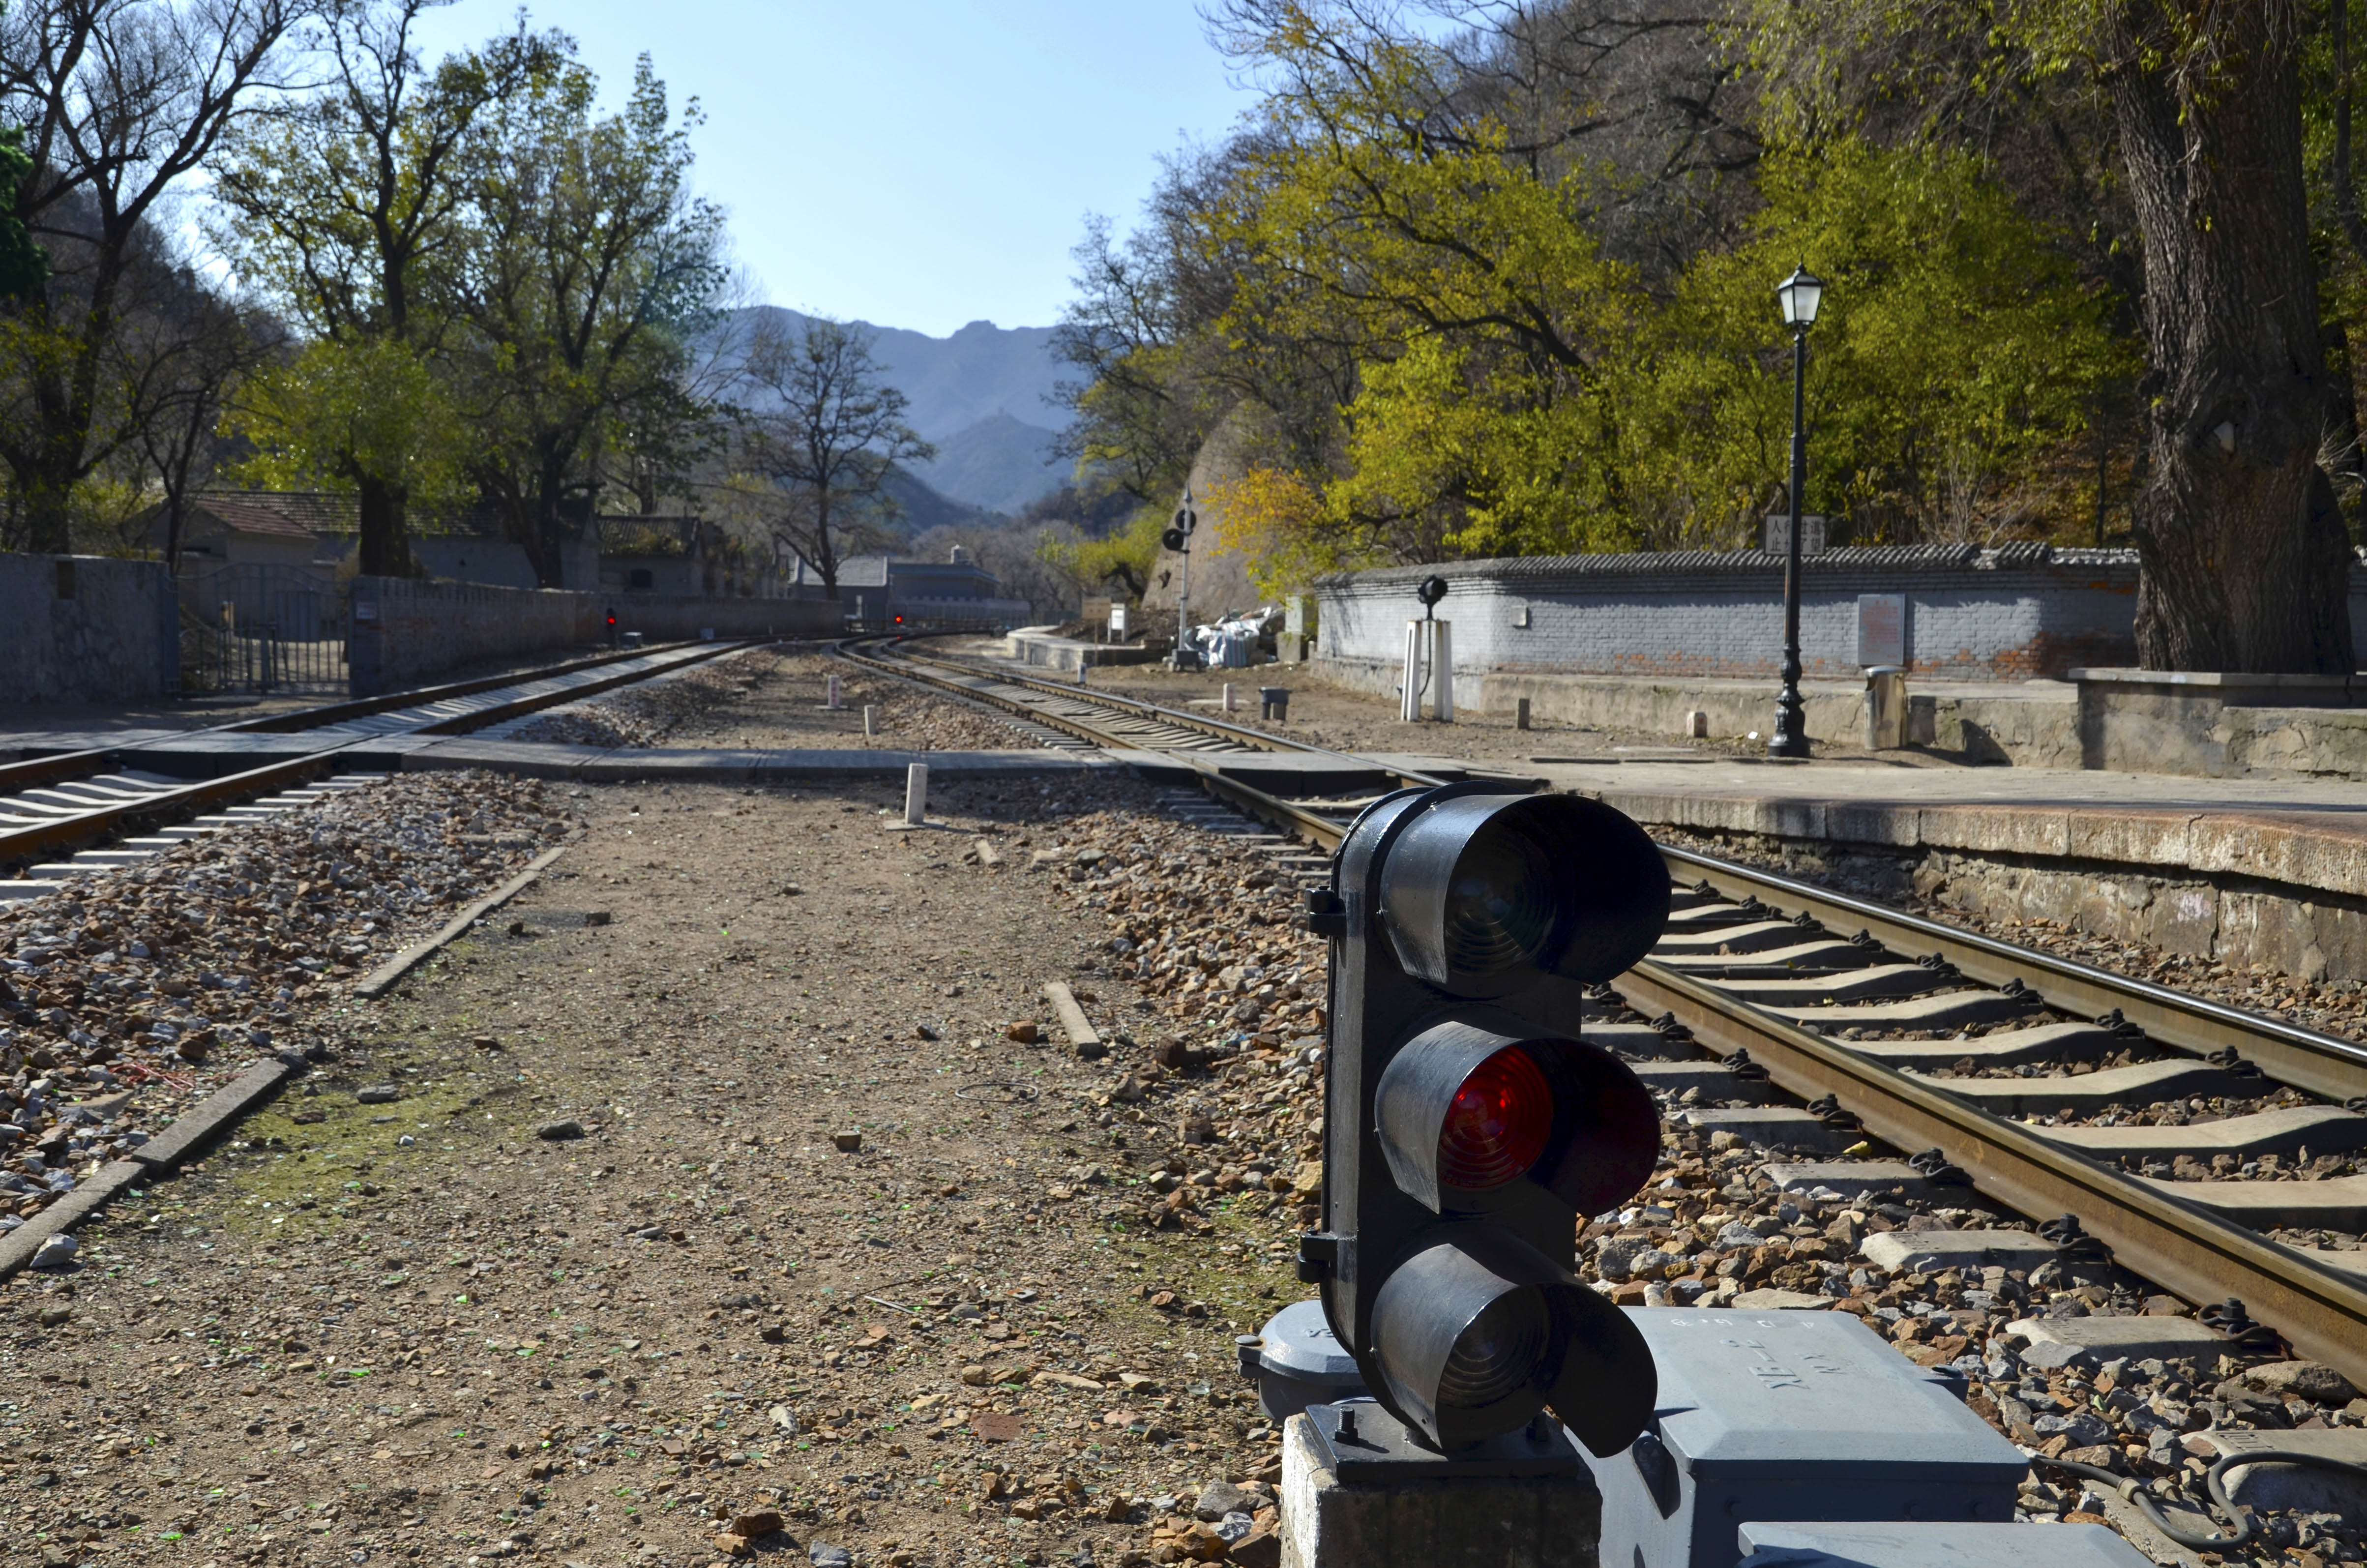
1380,1448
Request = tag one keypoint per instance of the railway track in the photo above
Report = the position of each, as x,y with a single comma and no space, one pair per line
82,811
2051,1088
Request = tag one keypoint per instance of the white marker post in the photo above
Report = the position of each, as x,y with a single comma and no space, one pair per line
870,720
916,801
916,794
1229,696
834,699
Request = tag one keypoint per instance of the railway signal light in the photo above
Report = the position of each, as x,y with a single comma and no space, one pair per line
1468,1132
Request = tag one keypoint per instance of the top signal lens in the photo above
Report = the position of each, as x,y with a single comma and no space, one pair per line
1497,1125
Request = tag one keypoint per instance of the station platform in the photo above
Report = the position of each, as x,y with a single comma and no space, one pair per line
2271,870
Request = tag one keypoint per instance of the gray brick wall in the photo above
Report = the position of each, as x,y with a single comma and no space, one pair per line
2007,614
87,628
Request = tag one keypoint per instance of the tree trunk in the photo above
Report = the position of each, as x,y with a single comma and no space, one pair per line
48,512
2243,561
385,551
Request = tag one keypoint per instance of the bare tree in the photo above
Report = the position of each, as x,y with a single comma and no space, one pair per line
827,428
119,100
220,342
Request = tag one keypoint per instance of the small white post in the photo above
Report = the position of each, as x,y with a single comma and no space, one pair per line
1441,673
1409,704
916,794
1081,668
870,720
836,699
1229,696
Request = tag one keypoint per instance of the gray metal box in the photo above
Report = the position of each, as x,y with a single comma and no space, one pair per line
1936,1546
1296,1362
1790,1415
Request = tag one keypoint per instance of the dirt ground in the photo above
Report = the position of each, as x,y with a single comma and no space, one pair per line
828,1242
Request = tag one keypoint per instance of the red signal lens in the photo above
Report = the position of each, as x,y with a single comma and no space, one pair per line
1499,1123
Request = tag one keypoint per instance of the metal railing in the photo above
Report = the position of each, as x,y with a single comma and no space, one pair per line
264,630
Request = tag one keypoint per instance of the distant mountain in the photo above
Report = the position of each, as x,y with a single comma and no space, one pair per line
1000,463
982,397
954,383
921,506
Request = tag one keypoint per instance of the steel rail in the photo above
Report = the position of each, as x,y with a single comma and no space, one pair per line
365,707
1282,812
2175,1243
1216,727
519,708
2178,1244
79,830
83,829
2324,1064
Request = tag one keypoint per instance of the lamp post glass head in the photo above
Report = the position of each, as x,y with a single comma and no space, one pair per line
1800,294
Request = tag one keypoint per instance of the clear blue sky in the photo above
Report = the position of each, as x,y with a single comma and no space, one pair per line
918,163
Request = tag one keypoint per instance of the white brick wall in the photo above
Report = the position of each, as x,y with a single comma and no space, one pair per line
2008,614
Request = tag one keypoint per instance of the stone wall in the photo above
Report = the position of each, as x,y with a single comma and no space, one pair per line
675,618
2013,613
406,630
2284,889
87,628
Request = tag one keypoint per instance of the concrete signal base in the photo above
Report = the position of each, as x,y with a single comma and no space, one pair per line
1463,1522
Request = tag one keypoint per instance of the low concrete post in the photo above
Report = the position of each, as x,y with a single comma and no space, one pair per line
916,794
1229,696
834,699
870,720
1448,1522
1885,708
1081,668
1520,714
1429,665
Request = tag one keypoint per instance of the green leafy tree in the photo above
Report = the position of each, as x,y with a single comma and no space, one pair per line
119,101
346,412
24,265
586,271
1956,351
2244,556
1123,557
349,213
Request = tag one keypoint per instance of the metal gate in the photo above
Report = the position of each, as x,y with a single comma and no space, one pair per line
264,630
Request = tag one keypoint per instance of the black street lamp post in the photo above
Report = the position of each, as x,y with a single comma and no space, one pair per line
1799,294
